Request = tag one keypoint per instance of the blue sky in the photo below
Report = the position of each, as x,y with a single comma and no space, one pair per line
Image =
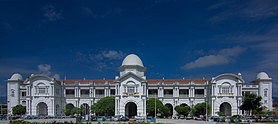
174,38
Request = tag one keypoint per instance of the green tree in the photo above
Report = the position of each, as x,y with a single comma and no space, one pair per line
74,111
160,108
200,109
19,110
221,114
182,110
251,104
67,109
105,106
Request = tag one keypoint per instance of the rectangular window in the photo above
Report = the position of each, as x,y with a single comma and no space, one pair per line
184,91
265,102
85,91
112,92
23,94
225,89
69,91
199,91
42,90
99,91
168,92
152,91
130,89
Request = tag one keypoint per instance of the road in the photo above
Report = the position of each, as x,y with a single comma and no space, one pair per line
164,121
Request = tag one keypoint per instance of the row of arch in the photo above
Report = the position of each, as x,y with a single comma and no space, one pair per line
130,108
42,108
85,108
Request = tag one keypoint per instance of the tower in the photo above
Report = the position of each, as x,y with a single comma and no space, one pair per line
265,89
13,93
131,88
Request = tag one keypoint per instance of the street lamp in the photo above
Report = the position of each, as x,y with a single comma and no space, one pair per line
155,108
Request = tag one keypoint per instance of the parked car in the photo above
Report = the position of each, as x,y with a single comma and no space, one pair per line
238,118
109,118
101,118
139,118
3,117
132,118
151,119
93,118
214,118
120,118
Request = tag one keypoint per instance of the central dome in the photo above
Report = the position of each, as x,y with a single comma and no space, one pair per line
132,59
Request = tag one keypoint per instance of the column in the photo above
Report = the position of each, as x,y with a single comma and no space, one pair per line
75,92
78,90
90,92
64,92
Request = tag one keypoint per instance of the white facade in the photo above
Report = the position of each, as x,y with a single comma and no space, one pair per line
46,96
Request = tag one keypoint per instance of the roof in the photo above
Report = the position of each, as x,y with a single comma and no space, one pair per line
151,81
181,81
88,81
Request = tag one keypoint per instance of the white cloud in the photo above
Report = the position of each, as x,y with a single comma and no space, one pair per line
255,9
45,69
57,76
224,56
51,13
265,46
101,60
110,54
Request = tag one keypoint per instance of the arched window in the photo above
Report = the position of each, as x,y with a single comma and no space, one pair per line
41,88
12,92
131,87
265,92
226,88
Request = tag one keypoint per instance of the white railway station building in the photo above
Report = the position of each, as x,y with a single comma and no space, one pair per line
43,95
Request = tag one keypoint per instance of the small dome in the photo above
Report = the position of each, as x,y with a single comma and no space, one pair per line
262,75
132,59
16,76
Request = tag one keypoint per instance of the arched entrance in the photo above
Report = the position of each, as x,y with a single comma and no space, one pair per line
85,109
130,109
226,108
69,107
170,107
183,104
42,109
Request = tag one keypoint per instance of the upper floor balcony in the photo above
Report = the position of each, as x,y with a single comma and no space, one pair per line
99,95
168,95
199,95
85,96
70,96
225,94
183,95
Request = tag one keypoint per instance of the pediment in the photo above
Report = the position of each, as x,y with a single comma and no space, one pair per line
230,76
130,75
